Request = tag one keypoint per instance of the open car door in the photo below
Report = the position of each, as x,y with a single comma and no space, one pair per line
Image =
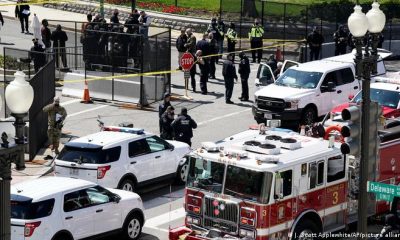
288,64
265,76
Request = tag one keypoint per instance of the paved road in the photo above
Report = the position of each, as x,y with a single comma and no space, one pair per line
216,120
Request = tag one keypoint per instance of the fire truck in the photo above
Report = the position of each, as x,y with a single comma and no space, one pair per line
277,184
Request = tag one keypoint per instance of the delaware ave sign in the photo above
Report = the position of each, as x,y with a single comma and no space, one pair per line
385,192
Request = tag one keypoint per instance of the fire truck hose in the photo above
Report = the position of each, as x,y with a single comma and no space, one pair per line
332,129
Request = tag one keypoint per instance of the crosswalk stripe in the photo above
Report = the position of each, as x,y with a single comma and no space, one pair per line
155,222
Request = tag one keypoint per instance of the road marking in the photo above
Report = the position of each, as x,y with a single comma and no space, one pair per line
159,220
221,117
70,102
85,111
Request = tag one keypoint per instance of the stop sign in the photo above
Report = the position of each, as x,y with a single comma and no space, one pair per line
187,61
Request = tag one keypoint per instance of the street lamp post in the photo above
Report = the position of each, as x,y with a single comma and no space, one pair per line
19,98
359,24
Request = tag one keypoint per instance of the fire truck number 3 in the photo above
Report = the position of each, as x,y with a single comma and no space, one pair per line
335,199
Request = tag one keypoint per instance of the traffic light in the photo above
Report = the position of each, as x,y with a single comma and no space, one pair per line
374,142
351,131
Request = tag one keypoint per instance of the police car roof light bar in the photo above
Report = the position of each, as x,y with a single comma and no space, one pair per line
138,131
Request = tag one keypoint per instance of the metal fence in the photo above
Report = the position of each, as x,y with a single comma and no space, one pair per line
43,84
293,22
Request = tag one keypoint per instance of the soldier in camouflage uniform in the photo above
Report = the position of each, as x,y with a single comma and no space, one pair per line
56,117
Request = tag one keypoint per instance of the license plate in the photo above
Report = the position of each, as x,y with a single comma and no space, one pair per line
268,115
73,171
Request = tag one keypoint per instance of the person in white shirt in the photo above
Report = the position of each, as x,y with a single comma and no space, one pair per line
144,21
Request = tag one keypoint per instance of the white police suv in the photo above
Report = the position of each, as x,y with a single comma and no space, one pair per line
124,158
58,208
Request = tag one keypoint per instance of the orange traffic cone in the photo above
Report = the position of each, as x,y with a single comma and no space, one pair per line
278,54
86,95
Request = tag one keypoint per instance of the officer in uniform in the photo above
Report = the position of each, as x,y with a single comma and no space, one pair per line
244,71
229,73
256,40
56,117
231,36
167,118
183,127
340,37
315,40
163,107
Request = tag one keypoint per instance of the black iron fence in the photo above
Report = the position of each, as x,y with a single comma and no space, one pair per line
43,83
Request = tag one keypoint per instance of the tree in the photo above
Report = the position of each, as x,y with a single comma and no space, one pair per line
250,9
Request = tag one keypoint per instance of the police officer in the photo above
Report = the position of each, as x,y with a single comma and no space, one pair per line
163,107
204,67
315,40
191,47
256,40
340,38
167,118
183,127
114,18
229,73
37,55
217,32
231,36
56,117
213,59
244,71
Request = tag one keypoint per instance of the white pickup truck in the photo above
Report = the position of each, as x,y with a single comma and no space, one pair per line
304,92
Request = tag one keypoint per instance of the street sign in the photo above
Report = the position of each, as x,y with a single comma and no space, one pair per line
187,61
385,192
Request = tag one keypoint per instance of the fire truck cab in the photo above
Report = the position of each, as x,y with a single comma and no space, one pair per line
273,184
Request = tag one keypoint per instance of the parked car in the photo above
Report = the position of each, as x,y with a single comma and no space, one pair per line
58,208
309,90
384,91
124,158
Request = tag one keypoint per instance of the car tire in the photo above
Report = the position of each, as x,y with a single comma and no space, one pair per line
181,174
132,227
305,229
127,185
309,116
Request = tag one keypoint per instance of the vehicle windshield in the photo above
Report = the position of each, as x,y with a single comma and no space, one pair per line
240,182
385,98
299,79
205,175
24,208
89,155
248,184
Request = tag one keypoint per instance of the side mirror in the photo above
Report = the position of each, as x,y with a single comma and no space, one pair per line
171,147
330,87
115,198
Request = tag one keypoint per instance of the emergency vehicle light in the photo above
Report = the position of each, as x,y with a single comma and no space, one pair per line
235,153
267,159
138,131
210,146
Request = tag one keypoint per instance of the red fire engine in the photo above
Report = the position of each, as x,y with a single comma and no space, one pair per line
278,184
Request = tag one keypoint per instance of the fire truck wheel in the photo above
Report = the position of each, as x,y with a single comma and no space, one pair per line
182,173
306,229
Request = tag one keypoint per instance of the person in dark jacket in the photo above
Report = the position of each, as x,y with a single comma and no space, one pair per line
114,18
167,132
37,55
132,23
244,71
315,40
180,46
213,51
204,45
272,63
183,127
163,107
59,37
2,21
22,12
340,38
229,73
204,68
46,34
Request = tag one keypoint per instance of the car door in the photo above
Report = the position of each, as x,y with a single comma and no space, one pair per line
288,64
341,93
351,86
106,211
140,160
164,160
77,215
323,99
265,76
